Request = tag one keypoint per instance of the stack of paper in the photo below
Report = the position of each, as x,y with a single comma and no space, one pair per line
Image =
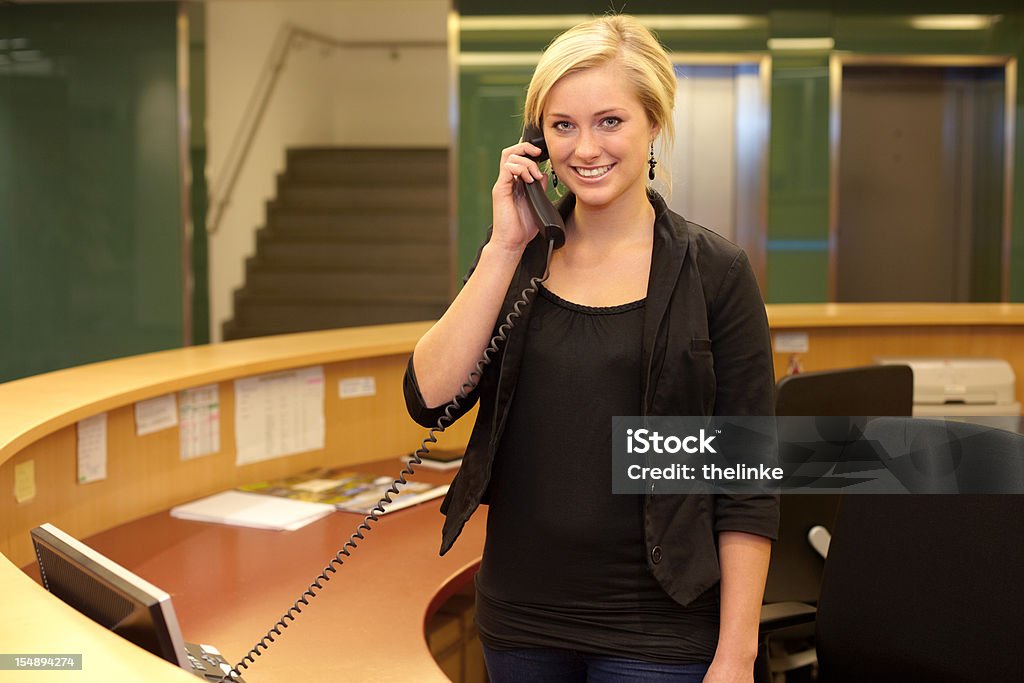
253,510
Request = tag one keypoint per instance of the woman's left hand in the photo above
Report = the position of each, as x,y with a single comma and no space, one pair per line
730,671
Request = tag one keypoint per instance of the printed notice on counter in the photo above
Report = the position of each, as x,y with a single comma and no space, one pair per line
25,481
357,387
92,449
279,414
199,419
791,342
155,414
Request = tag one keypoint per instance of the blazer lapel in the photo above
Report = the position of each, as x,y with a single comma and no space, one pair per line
671,243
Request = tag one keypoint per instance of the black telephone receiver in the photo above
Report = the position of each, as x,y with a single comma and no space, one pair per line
548,218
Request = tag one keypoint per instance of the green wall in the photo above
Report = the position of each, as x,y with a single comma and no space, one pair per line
200,188
90,224
798,202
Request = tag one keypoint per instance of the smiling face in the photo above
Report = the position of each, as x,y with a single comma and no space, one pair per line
598,136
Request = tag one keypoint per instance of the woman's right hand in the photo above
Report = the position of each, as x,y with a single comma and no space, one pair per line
446,355
514,224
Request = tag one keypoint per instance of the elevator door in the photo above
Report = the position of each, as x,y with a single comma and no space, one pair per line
919,184
721,122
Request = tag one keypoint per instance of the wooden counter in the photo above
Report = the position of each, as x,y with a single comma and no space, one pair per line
785,316
37,406
848,335
146,477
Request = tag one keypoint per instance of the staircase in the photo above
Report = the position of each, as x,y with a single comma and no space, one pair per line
354,237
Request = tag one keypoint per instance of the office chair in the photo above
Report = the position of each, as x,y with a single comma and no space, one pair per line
936,456
924,588
795,571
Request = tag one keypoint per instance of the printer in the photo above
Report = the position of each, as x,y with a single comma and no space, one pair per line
960,386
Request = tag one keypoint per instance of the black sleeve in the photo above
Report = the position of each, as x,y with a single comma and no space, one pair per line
745,384
417,407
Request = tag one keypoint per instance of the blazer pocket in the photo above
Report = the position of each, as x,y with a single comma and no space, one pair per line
698,345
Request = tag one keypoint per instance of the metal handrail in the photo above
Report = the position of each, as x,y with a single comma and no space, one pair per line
288,37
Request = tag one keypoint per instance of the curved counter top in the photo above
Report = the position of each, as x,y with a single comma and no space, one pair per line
782,316
36,406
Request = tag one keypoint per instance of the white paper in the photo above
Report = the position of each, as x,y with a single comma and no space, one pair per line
279,414
240,508
92,449
200,421
155,414
25,481
357,387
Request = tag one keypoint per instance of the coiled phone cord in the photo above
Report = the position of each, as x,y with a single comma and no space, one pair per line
314,589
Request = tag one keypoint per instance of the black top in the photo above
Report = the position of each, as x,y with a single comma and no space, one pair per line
705,350
565,562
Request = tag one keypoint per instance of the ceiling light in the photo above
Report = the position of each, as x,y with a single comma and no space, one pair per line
658,22
952,22
801,43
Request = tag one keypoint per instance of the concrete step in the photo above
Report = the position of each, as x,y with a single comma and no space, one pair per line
298,157
363,166
294,317
381,172
382,225
321,284
365,198
347,254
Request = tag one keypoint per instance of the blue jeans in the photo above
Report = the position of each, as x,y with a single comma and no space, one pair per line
549,665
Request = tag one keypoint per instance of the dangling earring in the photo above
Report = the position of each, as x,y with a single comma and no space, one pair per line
554,178
653,162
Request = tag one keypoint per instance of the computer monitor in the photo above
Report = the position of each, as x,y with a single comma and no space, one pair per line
109,594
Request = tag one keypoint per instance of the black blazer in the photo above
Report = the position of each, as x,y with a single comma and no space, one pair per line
705,351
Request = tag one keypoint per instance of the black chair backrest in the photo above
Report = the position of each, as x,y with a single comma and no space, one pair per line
866,391
795,570
924,588
939,456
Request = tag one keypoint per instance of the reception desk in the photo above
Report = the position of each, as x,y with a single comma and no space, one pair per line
230,585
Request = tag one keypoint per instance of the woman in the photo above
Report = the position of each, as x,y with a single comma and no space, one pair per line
643,314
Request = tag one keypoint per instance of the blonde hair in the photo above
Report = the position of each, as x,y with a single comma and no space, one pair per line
603,40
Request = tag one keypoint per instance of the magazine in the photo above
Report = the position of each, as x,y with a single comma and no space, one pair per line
346,489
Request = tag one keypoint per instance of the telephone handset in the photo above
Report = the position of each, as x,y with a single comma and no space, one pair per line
553,228
548,218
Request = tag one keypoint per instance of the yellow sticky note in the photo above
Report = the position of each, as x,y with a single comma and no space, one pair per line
25,481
